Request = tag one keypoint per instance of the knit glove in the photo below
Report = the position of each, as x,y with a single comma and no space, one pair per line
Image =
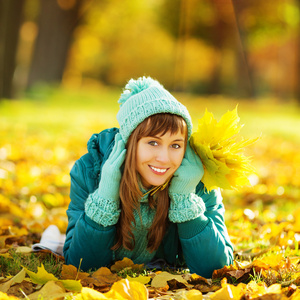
102,206
184,204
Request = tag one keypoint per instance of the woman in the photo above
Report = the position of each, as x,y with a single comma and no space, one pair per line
137,193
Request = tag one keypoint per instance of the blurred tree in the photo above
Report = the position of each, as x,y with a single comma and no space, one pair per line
244,69
57,21
10,21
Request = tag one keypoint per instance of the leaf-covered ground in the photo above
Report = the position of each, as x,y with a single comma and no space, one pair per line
39,142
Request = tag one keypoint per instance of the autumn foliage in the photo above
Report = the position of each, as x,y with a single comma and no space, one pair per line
36,154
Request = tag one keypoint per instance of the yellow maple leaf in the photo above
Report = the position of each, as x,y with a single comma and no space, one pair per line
141,279
228,292
128,290
121,290
216,143
42,277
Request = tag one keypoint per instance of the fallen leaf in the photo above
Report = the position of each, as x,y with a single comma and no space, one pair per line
101,280
23,249
222,272
196,279
161,280
19,289
125,263
71,272
89,294
16,279
229,292
4,296
237,274
204,288
125,289
188,295
42,277
295,295
141,279
104,275
51,290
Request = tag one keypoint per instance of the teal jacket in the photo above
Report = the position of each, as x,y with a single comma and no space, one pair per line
202,243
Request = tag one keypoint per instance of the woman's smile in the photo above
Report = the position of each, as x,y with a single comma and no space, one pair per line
159,171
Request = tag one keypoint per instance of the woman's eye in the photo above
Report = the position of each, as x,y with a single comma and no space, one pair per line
175,146
153,143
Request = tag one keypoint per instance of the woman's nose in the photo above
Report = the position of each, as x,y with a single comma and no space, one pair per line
163,156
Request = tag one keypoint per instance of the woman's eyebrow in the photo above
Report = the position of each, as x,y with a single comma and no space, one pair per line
159,138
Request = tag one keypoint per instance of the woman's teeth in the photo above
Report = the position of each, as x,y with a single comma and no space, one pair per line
158,170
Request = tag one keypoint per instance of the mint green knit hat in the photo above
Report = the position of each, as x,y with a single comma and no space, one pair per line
145,97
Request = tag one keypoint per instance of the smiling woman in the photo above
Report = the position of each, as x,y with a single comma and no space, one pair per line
138,193
159,153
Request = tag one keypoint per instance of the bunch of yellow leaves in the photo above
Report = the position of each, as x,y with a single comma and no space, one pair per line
225,165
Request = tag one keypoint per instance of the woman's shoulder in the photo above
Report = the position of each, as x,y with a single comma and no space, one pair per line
99,147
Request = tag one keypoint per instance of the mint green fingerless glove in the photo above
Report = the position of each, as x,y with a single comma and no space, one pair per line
185,205
103,206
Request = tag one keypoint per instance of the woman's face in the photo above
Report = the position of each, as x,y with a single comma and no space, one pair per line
158,157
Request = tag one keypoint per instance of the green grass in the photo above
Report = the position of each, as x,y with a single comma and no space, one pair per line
31,261
64,109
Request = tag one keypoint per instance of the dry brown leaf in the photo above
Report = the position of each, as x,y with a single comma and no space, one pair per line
196,279
105,275
161,280
26,287
126,263
238,274
222,272
71,272
101,280
16,279
204,288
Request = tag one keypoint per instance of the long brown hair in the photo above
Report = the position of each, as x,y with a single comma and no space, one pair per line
130,193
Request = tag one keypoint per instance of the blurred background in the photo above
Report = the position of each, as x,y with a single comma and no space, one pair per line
63,64
230,47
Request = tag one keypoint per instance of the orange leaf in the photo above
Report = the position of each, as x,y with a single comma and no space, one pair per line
125,263
103,278
71,272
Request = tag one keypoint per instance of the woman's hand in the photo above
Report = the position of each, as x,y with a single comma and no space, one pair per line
111,172
184,204
103,206
188,175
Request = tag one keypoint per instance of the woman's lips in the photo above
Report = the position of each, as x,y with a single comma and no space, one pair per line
157,170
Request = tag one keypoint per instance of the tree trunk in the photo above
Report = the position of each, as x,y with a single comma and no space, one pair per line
10,21
219,35
56,26
244,70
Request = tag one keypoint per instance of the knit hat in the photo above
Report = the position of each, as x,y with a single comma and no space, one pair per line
145,97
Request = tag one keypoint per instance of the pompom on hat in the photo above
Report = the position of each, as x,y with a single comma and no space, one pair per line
145,97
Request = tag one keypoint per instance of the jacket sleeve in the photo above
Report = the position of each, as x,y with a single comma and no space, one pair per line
87,243
205,242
